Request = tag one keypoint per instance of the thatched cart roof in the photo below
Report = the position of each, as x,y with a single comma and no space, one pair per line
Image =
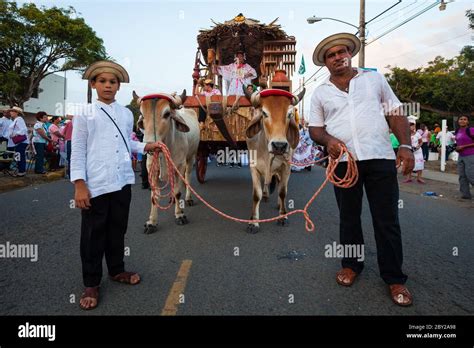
240,33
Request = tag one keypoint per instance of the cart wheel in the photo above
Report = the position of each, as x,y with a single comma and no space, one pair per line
201,167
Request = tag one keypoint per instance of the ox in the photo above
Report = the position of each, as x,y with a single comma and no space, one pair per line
272,135
165,120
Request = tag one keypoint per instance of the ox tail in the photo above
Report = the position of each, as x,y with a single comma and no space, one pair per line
273,183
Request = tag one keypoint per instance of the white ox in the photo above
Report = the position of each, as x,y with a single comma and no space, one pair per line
165,120
272,135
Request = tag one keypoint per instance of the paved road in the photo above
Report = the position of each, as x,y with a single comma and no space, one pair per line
214,281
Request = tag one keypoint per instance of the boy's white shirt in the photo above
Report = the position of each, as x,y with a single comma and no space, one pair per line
99,155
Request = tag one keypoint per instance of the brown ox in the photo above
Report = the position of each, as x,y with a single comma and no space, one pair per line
165,120
272,136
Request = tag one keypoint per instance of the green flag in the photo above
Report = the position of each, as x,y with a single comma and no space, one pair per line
302,68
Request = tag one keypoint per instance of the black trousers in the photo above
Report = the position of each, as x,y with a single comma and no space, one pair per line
379,177
103,230
144,173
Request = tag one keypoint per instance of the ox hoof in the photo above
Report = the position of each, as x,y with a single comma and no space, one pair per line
283,222
252,229
182,220
149,229
190,202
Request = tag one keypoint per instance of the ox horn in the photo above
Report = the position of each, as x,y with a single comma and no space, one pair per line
135,96
298,98
178,101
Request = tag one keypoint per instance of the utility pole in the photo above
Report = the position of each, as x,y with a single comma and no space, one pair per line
362,34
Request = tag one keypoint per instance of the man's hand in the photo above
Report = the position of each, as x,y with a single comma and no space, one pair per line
334,147
82,195
406,159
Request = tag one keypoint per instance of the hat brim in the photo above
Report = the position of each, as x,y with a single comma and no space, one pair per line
105,66
344,39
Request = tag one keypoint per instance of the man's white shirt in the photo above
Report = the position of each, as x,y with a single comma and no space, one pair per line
99,155
357,118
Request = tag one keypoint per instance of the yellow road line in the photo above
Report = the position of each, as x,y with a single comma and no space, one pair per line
172,302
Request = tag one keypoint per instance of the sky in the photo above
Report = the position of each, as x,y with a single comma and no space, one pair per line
156,40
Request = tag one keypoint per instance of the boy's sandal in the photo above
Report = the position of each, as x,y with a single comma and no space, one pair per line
125,277
92,293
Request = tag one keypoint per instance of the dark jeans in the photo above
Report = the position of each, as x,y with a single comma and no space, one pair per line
426,151
68,157
379,177
21,148
103,230
39,160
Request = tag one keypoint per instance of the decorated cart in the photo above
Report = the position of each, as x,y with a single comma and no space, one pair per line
224,118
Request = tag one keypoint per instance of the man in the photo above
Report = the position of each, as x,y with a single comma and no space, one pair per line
5,122
237,74
208,89
349,108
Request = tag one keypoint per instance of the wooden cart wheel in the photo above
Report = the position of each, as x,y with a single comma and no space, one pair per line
201,167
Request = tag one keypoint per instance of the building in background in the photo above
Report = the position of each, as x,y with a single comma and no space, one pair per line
50,97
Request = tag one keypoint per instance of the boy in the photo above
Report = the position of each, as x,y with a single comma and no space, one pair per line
102,174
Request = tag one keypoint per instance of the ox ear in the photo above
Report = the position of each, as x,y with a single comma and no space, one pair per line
293,134
255,126
180,123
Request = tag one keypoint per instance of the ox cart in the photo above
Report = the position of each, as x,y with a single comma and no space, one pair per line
224,118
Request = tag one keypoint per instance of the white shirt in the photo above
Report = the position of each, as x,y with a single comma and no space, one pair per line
450,138
99,155
17,127
357,118
37,138
4,124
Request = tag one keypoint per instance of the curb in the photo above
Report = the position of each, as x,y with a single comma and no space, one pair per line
31,179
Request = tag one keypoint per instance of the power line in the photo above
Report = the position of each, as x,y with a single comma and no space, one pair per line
405,21
412,10
397,12
436,44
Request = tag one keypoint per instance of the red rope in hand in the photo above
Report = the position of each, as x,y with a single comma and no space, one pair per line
349,180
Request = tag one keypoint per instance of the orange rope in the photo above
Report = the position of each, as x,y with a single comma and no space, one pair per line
349,180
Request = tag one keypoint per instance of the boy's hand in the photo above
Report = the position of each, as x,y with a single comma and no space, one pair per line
82,195
152,146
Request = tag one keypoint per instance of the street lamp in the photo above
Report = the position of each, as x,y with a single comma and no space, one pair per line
360,29
315,19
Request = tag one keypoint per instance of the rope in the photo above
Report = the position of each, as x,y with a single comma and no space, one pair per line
349,180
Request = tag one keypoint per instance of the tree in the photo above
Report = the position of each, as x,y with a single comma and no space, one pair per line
443,88
135,109
470,16
37,42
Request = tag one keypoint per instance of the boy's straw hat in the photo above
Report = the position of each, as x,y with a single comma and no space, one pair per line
107,67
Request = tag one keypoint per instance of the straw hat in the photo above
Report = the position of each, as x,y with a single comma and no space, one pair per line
209,82
16,109
106,66
346,39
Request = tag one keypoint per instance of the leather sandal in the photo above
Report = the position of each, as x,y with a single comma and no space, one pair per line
91,293
346,277
400,295
125,277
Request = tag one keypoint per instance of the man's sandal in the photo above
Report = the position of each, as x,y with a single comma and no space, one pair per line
400,295
92,293
126,278
346,277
